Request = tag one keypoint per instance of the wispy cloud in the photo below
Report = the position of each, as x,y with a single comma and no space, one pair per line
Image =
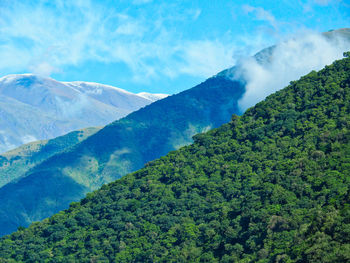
261,14
323,2
141,2
296,53
217,57
61,33
148,39
309,5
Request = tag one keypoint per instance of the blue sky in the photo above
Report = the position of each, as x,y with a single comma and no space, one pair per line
153,46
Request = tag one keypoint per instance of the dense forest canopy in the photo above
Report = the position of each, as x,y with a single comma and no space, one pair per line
270,186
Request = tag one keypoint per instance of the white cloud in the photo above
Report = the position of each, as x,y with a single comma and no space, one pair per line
309,5
5,142
205,58
28,138
196,13
75,32
129,29
43,68
72,108
261,14
289,61
323,2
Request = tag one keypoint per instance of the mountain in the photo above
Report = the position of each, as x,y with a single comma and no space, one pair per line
36,108
115,150
270,186
15,163
126,145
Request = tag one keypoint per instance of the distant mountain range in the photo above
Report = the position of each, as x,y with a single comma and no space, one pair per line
36,108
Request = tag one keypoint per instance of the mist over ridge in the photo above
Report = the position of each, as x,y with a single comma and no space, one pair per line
273,68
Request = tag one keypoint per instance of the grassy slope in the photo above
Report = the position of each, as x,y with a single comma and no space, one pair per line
15,163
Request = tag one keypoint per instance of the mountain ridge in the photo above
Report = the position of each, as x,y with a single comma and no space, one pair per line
270,186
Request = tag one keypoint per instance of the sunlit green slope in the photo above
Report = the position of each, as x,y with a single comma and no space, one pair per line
15,163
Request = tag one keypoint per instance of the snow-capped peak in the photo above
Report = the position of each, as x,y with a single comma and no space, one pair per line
46,108
95,85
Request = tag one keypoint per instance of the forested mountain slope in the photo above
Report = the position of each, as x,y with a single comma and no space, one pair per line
270,186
